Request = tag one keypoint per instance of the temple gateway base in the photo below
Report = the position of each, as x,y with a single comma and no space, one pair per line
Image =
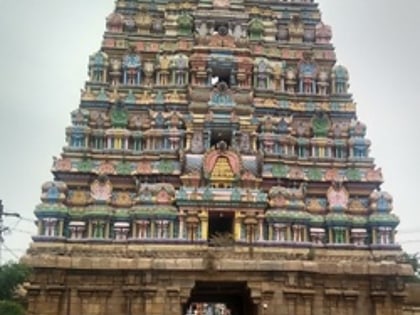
216,166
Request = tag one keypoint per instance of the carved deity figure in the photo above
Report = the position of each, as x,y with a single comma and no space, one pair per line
197,145
298,232
317,235
98,229
143,21
162,229
307,75
339,235
256,29
157,26
179,66
115,22
278,76
121,230
245,144
268,143
384,235
323,33
50,227
321,124
280,232
290,80
296,29
221,96
185,24
131,69
142,228
339,80
338,197
77,229
358,236
148,70
101,190
323,83
98,67
115,72
262,72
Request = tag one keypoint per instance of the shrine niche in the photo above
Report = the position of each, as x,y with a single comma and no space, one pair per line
338,198
101,189
143,21
296,29
131,66
307,75
222,166
221,96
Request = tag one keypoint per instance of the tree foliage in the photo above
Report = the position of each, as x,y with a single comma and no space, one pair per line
414,261
11,308
12,275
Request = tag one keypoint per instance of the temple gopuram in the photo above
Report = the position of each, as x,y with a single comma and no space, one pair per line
216,166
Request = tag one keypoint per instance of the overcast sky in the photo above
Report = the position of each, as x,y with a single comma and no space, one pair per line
44,52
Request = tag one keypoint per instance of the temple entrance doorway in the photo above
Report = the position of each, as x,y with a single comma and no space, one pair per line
220,298
220,227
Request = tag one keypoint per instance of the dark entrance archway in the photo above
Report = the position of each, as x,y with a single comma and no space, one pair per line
220,298
220,223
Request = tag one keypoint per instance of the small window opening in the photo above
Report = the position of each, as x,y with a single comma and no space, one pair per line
220,224
218,135
221,75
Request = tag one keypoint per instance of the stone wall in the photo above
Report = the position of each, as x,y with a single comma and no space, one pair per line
159,280
413,299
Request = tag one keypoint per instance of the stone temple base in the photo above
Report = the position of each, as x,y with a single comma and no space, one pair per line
74,279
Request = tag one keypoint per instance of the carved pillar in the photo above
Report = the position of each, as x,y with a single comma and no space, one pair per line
134,229
256,297
260,228
90,235
132,305
184,294
60,228
192,225
181,226
333,298
204,219
172,305
73,302
378,302
350,299
251,225
237,226
289,233
171,230
54,300
291,300
398,302
308,304
107,228
153,229
33,296
94,300
40,227
148,296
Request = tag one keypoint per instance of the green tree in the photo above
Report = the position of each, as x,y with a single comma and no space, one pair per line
11,308
11,276
414,261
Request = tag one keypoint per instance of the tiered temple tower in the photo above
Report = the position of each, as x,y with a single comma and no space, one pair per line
216,165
